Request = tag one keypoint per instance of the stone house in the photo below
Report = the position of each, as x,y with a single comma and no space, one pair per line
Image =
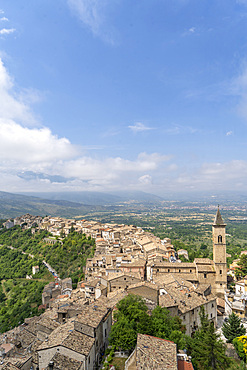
152,353
119,281
202,270
138,265
95,321
189,302
70,343
148,291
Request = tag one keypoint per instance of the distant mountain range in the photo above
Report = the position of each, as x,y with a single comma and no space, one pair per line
68,204
73,204
100,198
12,205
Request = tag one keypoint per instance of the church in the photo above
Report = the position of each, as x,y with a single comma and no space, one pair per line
202,271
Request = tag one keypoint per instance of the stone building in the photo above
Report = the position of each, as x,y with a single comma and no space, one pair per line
202,270
155,353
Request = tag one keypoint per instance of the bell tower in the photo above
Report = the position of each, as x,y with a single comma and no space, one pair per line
219,254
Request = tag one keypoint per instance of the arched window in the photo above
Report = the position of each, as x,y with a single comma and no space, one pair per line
219,239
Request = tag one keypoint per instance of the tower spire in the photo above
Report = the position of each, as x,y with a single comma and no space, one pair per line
218,221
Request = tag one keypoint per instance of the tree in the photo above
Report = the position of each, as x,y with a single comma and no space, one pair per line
207,350
122,335
132,318
233,328
167,327
242,270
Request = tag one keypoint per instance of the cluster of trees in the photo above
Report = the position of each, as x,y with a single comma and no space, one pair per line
233,328
234,332
20,300
15,264
131,317
242,270
18,238
67,258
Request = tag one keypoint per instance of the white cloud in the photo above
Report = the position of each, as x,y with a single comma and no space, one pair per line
211,176
110,168
26,151
13,106
229,133
7,31
22,145
139,127
4,19
92,13
189,31
145,179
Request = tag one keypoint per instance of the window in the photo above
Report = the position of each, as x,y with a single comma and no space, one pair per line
220,272
89,359
205,276
168,270
211,315
124,278
212,305
158,270
190,270
105,333
179,270
219,239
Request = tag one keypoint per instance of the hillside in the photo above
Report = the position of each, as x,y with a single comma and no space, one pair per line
13,205
100,198
19,297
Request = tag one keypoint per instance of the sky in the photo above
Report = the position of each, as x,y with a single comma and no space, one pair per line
108,95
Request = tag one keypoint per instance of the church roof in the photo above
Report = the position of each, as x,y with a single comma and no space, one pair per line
218,221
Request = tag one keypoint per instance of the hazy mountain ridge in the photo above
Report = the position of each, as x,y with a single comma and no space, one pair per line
100,198
12,205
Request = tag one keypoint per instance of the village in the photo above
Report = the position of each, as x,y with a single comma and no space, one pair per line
75,327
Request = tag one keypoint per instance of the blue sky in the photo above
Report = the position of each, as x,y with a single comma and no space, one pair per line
120,94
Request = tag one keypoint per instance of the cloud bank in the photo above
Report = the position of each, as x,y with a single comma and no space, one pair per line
33,158
27,149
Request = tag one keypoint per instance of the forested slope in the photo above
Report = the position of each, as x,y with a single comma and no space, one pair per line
19,251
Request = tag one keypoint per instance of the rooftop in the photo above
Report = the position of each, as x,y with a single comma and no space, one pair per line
155,353
66,336
92,315
62,362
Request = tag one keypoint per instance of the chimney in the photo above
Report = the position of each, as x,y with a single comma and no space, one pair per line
51,365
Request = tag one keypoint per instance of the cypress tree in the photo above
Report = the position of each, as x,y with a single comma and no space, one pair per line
233,328
206,348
